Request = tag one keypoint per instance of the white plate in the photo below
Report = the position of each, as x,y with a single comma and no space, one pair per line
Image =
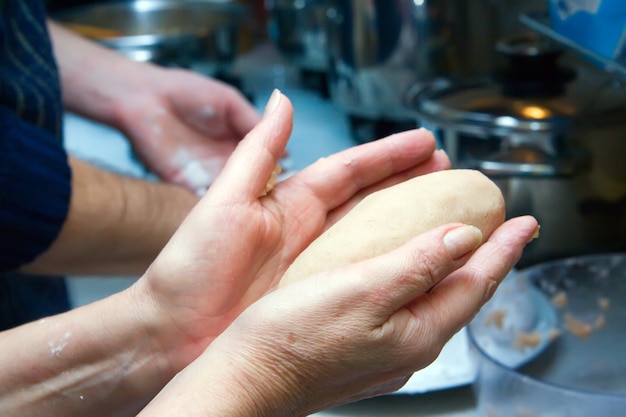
453,368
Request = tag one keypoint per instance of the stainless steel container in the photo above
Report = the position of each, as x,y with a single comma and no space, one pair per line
168,32
554,145
380,48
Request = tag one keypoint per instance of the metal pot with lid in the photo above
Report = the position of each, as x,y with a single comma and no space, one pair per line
551,137
379,48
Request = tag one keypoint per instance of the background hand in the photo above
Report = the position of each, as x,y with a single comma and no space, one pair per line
183,126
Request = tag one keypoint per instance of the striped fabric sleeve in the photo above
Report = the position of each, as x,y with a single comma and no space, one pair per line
35,180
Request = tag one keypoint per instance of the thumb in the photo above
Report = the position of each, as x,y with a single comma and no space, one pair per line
253,163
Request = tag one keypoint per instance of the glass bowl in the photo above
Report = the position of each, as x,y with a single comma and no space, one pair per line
552,341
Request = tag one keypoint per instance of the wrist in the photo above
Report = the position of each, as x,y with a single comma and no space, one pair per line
262,379
165,335
228,382
131,88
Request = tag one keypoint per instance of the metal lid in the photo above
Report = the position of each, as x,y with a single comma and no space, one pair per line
532,94
483,105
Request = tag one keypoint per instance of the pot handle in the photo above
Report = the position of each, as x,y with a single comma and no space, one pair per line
526,161
413,93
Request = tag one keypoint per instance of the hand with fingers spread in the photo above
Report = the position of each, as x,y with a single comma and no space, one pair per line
237,242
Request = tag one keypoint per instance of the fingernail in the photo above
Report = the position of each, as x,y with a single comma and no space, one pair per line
273,102
535,235
462,240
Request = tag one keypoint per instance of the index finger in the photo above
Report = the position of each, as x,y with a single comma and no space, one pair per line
339,177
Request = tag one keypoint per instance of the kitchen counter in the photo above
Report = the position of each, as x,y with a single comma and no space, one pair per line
320,129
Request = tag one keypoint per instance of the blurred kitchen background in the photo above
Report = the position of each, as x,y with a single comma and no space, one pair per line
530,92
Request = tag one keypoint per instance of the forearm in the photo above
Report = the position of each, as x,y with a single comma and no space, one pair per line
94,78
115,226
98,360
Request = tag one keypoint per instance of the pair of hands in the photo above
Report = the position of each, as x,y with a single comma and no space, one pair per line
336,337
247,348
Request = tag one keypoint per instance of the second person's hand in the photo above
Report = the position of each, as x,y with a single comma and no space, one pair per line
184,126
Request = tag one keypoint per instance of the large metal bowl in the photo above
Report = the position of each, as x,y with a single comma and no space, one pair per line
163,31
551,341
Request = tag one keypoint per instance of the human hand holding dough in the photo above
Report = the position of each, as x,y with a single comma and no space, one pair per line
388,218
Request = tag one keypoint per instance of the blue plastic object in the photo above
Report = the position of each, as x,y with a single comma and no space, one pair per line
597,25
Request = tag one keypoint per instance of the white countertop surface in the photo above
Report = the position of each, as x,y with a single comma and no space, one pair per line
320,129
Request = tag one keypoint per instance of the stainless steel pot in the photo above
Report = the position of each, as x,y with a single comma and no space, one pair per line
555,148
168,32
